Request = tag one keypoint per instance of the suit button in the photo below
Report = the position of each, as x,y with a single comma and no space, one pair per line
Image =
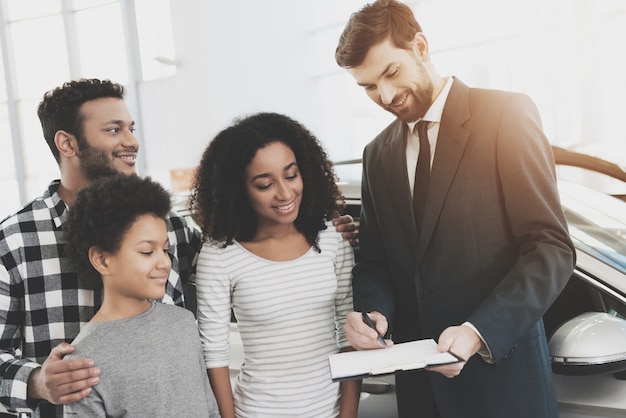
425,293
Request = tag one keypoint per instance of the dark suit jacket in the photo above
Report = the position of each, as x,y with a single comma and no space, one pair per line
493,248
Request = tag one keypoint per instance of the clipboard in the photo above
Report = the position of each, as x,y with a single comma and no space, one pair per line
412,355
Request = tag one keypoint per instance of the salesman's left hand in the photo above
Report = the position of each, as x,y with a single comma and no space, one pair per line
463,342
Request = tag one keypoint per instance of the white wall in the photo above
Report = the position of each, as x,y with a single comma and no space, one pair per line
236,57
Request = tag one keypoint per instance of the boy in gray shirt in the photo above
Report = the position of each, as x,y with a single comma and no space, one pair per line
149,353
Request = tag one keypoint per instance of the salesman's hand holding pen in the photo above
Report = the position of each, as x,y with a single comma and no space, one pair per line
370,323
364,330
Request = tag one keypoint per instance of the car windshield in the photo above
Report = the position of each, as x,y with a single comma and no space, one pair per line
597,223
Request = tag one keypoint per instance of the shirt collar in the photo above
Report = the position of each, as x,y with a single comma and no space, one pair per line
57,207
434,112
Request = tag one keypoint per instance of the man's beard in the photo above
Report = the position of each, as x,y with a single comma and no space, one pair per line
421,100
94,162
421,95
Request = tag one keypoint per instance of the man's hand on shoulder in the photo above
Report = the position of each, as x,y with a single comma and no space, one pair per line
346,225
63,381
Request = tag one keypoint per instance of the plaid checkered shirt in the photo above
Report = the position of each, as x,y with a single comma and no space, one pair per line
42,300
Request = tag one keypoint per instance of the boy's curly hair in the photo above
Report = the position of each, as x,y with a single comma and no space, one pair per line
102,214
219,201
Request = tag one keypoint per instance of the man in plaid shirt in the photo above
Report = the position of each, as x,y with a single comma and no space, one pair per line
43,303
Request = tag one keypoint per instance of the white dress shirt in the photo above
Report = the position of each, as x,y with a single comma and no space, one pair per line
432,115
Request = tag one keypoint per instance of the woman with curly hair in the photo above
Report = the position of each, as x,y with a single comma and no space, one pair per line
264,195
149,353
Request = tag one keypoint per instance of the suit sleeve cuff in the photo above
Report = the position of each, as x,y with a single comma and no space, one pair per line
484,351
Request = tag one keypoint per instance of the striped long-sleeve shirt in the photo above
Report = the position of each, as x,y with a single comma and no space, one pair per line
290,315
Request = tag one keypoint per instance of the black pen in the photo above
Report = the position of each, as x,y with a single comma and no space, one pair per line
368,321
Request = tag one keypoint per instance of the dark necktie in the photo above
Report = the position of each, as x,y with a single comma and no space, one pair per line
422,173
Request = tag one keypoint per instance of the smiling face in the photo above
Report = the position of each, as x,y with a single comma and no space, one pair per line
107,143
274,185
399,80
138,270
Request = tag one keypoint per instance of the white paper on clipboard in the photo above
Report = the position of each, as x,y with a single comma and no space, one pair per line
404,356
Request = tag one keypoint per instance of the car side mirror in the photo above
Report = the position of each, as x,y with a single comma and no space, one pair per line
591,343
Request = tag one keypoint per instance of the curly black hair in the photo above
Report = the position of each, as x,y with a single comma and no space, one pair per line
60,108
219,201
102,214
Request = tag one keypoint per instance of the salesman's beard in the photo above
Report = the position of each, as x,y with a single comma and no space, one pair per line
420,97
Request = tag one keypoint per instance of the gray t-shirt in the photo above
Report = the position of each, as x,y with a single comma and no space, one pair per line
152,366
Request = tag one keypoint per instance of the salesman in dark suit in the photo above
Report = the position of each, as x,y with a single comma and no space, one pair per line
463,238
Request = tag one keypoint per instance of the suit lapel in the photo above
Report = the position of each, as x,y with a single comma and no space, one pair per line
451,144
394,154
